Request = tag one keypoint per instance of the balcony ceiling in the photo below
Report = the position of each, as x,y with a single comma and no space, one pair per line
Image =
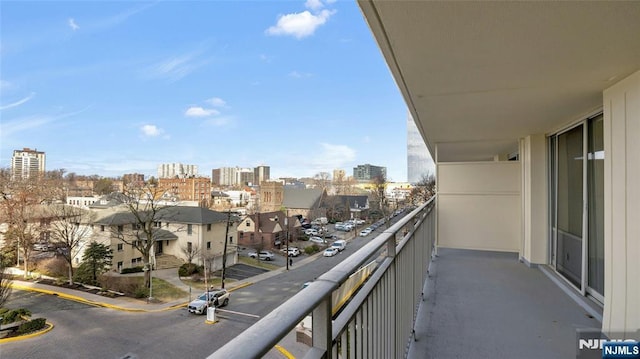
477,76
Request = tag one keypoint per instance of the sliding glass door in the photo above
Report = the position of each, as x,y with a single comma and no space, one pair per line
595,201
577,174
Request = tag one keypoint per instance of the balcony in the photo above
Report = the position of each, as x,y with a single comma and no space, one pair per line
482,304
416,304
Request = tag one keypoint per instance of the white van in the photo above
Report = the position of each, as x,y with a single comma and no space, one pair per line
340,244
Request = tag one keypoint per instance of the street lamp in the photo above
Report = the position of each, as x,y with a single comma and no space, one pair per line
149,268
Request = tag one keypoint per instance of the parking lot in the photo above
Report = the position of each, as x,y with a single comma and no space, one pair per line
241,271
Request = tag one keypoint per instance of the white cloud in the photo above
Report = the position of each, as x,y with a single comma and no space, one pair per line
19,102
299,75
73,25
14,126
176,67
5,85
219,121
196,111
314,4
216,102
151,131
333,156
300,24
266,58
123,16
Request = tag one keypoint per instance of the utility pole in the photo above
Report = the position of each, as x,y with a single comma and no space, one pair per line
224,253
286,224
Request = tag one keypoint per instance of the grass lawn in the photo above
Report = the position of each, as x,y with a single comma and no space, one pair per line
166,291
198,285
257,263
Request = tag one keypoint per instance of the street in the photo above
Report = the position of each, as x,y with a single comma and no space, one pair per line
83,331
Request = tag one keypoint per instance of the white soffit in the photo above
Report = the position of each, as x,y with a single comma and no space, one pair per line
492,72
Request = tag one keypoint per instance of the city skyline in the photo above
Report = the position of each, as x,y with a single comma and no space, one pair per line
114,88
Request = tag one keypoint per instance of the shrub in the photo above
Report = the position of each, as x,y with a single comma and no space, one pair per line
84,275
141,292
188,269
127,285
15,315
132,270
312,249
31,326
53,267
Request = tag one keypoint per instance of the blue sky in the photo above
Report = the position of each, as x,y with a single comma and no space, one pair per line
118,87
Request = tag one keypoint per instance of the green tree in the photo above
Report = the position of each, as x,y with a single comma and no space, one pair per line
5,282
97,260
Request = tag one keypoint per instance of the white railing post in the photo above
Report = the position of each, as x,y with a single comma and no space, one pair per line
321,327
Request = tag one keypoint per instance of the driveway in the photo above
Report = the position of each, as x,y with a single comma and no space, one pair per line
241,271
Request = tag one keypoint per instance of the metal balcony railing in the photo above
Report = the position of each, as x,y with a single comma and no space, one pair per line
377,320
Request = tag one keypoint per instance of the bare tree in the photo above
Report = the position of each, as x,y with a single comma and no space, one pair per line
378,192
424,189
69,229
143,225
321,180
190,250
20,200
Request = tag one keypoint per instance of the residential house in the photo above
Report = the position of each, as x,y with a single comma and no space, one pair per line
179,231
267,230
343,207
305,202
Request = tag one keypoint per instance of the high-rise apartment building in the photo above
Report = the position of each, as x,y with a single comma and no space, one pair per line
237,176
188,189
179,170
369,172
244,176
419,162
261,174
27,162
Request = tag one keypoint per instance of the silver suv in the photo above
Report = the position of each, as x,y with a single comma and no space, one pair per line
263,255
214,298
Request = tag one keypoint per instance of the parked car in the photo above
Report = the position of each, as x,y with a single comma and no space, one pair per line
339,244
293,251
311,232
330,252
40,246
365,232
214,298
263,255
318,240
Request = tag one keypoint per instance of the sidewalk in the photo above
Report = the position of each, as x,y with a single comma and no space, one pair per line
134,305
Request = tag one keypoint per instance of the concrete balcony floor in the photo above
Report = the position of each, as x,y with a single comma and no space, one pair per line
482,304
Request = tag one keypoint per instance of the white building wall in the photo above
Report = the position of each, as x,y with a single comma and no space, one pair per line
479,205
535,207
622,206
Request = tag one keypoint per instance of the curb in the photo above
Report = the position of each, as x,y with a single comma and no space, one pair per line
48,328
284,352
95,304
